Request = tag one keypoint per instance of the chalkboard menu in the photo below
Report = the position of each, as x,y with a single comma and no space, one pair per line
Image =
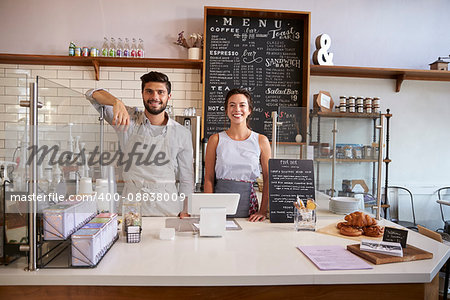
265,52
289,178
291,124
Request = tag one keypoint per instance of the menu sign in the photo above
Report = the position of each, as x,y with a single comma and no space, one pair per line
289,179
291,122
262,54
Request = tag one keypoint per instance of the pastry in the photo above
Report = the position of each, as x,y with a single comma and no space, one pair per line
360,219
373,231
350,231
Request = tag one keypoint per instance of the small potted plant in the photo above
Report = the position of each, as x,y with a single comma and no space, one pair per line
194,44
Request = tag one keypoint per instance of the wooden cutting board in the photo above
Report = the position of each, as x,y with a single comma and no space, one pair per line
332,230
410,253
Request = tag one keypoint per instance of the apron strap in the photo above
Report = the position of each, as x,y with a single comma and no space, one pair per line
253,202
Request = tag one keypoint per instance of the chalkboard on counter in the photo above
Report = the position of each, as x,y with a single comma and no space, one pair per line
289,178
265,52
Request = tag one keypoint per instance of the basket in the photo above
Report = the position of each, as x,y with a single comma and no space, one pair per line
133,234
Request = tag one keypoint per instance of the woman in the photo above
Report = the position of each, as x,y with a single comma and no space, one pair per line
233,158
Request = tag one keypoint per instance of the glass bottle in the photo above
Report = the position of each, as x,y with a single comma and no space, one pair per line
112,48
140,49
105,47
134,48
119,49
72,49
126,48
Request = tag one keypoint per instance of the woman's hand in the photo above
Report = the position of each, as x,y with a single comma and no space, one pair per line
258,217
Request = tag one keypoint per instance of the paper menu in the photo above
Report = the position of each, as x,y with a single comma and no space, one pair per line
333,258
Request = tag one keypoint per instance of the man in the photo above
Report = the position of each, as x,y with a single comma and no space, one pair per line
160,147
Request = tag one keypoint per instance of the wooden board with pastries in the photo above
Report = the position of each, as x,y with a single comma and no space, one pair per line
357,222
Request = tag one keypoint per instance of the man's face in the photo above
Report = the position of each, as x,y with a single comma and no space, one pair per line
155,97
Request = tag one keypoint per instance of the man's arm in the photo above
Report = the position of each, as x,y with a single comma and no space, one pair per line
120,115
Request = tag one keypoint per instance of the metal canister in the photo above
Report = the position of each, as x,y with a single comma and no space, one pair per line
85,51
93,52
77,51
342,104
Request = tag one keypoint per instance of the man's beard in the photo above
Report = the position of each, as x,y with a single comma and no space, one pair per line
155,111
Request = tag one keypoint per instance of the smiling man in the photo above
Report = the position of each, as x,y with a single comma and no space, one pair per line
148,136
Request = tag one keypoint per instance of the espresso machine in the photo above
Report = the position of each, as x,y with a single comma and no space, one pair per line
192,123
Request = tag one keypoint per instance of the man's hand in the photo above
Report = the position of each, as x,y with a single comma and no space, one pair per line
120,114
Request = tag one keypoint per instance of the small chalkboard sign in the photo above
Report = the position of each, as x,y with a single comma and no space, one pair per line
289,178
292,124
395,235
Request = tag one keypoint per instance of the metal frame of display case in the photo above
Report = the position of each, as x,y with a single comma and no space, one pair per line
376,180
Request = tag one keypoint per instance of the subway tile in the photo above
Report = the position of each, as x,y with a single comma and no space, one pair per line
2,108
121,75
106,84
80,101
177,95
62,74
17,72
175,77
70,110
103,75
162,70
8,66
187,71
2,90
193,95
2,144
43,92
81,68
44,73
31,67
55,119
185,86
126,84
8,82
83,119
138,94
112,69
9,100
57,67
63,82
67,92
120,93
139,70
89,84
14,109
16,91
193,77
90,110
9,117
57,100
2,125
89,75
2,72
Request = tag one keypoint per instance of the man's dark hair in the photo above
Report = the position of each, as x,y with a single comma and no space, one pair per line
155,77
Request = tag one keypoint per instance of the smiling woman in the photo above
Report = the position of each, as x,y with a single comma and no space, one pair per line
235,157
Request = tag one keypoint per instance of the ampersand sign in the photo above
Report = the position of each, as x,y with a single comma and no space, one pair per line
321,55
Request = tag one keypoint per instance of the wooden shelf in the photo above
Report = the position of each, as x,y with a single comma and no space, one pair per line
344,115
399,75
346,160
98,62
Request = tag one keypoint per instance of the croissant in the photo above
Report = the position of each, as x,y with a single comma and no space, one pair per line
360,219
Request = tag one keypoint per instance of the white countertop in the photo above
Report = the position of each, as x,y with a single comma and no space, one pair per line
259,254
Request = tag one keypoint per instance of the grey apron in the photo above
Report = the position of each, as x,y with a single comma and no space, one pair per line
157,182
241,187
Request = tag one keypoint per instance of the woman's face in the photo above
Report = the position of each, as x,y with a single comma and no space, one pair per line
238,109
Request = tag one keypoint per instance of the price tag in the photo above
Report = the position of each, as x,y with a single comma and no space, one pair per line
395,235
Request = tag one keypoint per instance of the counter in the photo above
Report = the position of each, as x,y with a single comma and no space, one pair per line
261,254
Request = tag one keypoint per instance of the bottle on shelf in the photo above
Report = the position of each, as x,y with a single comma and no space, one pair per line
126,48
112,48
72,49
105,47
119,49
134,49
140,49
